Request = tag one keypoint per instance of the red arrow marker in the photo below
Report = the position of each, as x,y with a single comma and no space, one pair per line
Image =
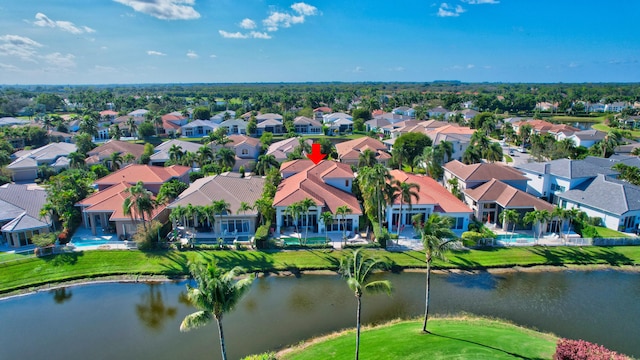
316,155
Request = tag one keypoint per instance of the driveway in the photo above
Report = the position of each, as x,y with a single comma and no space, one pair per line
518,157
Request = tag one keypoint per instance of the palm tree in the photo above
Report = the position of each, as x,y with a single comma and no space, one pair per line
220,207
493,152
406,191
76,160
327,218
139,202
265,209
131,123
437,237
244,207
537,218
509,217
294,211
560,214
188,158
114,160
609,143
115,132
305,205
265,162
472,155
204,154
446,148
216,293
342,211
367,158
129,158
357,267
226,157
372,182
175,153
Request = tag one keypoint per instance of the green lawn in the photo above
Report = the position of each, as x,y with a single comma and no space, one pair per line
30,272
591,119
608,233
449,339
507,158
602,127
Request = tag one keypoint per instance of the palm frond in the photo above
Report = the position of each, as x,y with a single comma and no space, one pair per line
195,320
378,287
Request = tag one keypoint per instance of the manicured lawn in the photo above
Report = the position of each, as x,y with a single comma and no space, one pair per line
507,158
608,233
593,119
449,339
30,272
602,127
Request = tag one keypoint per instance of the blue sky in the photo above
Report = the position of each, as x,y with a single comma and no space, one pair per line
182,41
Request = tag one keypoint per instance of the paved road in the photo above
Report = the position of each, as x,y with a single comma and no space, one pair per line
518,157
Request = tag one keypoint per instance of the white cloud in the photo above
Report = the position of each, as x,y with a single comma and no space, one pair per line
192,54
9,67
573,64
43,21
235,35
248,24
164,9
57,59
278,19
260,35
446,10
239,35
213,56
397,68
358,69
155,53
18,46
480,2
470,66
305,9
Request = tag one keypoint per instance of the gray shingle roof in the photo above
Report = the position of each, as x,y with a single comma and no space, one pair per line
28,198
568,169
23,222
606,194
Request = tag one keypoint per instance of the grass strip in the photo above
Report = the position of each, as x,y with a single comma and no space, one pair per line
30,272
449,338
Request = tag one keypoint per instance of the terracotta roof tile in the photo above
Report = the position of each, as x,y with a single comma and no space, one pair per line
123,147
431,193
147,174
309,183
507,196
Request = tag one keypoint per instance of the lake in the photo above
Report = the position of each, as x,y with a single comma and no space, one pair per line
141,321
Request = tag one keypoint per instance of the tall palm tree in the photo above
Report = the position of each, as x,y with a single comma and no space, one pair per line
175,153
265,162
265,209
509,217
305,205
367,158
342,211
560,214
406,192
472,155
437,237
357,267
115,161
131,123
216,293
221,207
609,143
76,160
128,158
327,218
446,148
493,152
226,157
204,154
187,158
372,182
244,207
139,202
294,210
537,218
115,132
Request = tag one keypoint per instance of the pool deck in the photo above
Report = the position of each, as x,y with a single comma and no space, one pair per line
113,243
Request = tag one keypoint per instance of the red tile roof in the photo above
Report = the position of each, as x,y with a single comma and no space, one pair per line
431,193
351,149
111,200
507,196
323,109
310,183
147,174
105,150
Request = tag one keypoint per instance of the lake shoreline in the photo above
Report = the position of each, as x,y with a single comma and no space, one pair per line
287,273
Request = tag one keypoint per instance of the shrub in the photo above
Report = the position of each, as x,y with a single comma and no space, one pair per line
195,175
381,237
147,238
567,349
43,240
262,234
264,356
589,231
475,226
595,221
471,238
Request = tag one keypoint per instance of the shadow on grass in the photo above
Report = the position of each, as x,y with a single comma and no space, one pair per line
580,256
62,259
518,356
324,255
177,265
249,260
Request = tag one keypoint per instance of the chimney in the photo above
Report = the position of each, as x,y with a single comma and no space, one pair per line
547,168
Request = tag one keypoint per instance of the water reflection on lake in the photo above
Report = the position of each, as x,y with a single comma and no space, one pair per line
140,321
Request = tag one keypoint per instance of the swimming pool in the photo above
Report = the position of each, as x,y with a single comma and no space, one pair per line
516,238
80,242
